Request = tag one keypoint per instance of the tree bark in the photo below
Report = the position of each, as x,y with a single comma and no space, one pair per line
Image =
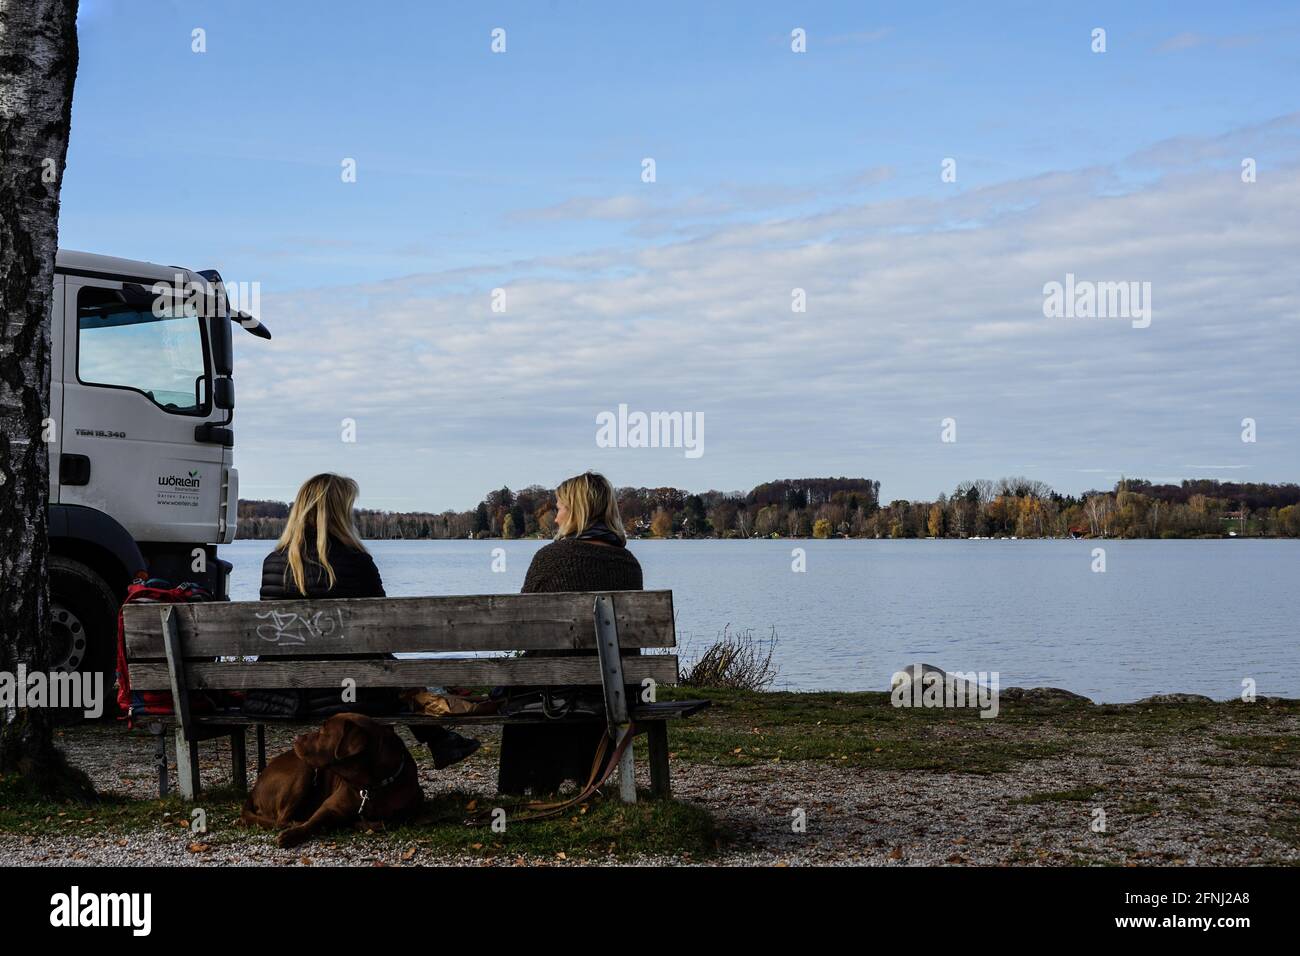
38,65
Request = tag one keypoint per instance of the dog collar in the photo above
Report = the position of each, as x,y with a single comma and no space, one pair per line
365,794
394,775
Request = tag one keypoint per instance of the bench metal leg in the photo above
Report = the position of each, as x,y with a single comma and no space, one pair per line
657,747
239,759
261,747
187,765
626,774
159,755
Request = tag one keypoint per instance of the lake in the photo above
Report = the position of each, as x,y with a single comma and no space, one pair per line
1165,616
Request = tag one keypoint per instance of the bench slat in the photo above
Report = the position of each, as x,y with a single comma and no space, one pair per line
642,713
487,622
469,672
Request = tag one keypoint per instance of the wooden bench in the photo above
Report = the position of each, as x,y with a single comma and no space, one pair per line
186,648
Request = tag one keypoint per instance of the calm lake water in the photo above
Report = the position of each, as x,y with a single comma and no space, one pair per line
1194,616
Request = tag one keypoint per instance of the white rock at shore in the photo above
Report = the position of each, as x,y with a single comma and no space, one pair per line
959,686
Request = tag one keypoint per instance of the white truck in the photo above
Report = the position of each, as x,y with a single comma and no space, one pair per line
142,476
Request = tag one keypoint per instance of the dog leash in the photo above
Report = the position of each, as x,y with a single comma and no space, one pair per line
601,768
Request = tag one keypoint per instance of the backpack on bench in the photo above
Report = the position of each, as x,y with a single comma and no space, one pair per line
154,703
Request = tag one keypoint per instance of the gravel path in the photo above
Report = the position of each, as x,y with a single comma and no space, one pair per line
1172,805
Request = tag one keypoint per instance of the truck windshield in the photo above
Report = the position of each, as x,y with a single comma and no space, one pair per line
122,345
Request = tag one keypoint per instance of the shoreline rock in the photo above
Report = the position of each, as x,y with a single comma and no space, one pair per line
1045,695
961,686
1050,696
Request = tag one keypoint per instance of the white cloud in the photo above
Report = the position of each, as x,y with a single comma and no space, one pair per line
1190,41
918,309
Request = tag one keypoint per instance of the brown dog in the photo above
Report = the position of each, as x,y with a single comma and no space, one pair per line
352,770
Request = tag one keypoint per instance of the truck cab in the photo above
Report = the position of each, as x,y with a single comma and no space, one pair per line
142,476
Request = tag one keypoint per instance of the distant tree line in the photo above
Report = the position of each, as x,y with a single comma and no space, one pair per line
851,508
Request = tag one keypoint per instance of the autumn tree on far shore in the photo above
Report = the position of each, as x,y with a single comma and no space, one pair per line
850,508
661,525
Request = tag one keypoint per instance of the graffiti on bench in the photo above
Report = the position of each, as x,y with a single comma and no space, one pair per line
289,627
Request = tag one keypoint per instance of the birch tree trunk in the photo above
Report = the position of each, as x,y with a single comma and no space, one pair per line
38,65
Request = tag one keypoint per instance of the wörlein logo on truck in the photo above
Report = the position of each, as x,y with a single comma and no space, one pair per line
180,490
181,481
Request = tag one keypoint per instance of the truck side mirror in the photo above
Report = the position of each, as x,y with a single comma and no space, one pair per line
223,391
223,348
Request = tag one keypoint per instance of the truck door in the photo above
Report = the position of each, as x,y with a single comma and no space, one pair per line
55,440
135,385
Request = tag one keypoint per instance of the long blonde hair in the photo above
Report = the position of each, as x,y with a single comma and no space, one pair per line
323,509
589,498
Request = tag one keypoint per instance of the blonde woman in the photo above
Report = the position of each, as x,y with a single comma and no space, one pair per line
590,548
589,553
320,555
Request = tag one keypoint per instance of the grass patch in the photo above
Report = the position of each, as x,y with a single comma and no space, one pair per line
1286,830
109,814
600,827
855,731
1141,807
1286,827
846,729
1196,805
1155,722
864,729
1076,795
1264,750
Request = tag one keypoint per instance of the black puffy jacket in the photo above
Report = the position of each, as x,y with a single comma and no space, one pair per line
355,575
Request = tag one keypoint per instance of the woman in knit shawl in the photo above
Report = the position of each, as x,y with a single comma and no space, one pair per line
589,553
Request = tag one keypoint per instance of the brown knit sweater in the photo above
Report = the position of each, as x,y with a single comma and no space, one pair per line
572,565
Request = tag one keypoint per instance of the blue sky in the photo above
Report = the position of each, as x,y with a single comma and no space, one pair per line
774,170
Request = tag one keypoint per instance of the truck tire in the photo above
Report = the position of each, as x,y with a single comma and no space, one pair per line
83,623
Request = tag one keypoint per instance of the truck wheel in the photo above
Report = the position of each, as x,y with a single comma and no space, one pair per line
83,623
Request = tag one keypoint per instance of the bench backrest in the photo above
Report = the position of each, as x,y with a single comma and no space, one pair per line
300,633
